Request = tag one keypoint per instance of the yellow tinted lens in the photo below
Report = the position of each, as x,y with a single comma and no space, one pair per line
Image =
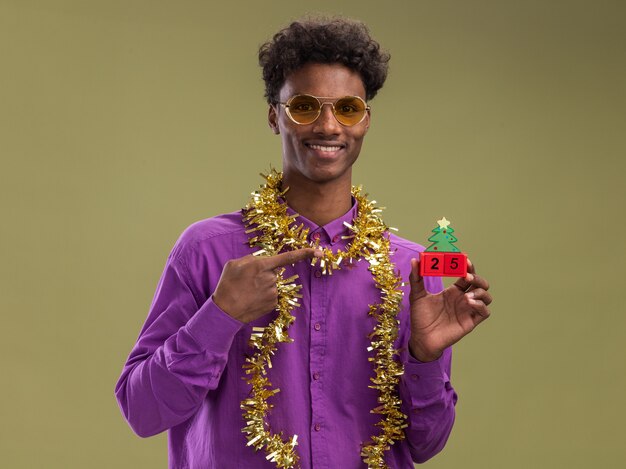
303,109
350,110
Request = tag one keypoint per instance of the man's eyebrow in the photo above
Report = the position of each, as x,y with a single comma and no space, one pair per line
295,93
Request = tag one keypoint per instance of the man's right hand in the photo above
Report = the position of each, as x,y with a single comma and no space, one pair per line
247,287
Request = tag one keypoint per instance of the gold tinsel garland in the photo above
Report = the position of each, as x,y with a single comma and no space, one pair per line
267,215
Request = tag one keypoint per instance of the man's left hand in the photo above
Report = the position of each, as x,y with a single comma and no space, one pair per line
438,321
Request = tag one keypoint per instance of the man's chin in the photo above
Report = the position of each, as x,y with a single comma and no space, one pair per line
319,173
327,175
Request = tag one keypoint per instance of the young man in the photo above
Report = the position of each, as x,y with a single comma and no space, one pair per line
194,370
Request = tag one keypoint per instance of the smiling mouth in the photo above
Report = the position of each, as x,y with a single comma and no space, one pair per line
324,148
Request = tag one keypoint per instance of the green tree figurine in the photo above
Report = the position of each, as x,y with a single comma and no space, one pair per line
442,258
443,239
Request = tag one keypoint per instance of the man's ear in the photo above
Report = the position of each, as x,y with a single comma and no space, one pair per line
368,118
272,119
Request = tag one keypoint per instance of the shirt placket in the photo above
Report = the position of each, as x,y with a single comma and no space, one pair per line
319,295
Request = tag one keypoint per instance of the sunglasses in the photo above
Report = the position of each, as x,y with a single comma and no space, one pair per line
305,109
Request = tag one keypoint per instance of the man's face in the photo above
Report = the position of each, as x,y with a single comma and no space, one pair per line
323,151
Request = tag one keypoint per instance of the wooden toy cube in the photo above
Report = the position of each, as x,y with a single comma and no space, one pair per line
454,264
432,264
443,264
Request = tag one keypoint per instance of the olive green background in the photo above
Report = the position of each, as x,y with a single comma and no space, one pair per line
122,122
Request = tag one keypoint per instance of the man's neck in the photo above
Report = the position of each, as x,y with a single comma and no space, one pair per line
320,203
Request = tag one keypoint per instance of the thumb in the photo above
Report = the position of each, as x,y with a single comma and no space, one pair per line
417,281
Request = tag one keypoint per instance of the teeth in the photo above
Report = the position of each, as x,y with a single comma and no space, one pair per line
324,148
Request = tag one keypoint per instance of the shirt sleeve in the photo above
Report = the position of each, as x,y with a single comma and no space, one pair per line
428,398
179,356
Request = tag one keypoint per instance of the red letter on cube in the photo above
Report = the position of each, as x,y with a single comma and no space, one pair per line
431,264
455,264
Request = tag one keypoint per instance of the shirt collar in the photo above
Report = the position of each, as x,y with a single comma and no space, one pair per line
333,230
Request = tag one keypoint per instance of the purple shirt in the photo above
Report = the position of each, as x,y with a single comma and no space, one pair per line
184,374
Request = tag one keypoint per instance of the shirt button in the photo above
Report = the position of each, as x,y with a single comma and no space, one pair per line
318,273
317,427
315,236
415,377
316,376
317,326
335,238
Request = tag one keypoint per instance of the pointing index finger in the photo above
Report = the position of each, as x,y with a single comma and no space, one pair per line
291,257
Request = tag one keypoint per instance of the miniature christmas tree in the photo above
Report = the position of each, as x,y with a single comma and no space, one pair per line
442,258
443,239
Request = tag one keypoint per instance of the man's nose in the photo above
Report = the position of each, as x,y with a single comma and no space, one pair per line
326,123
